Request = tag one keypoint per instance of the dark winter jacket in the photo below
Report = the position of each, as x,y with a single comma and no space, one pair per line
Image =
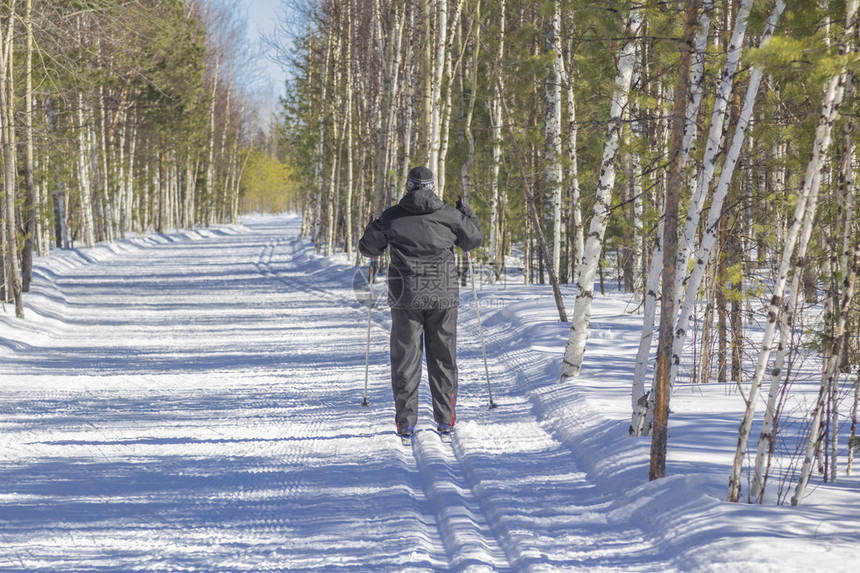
422,232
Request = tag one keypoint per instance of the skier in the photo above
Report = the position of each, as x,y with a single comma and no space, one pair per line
423,293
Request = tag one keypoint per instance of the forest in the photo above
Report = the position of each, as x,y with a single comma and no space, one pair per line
697,154
700,155
123,116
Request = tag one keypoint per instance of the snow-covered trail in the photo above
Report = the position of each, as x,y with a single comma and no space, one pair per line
195,404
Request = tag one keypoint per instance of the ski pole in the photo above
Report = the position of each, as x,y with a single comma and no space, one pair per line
370,271
481,331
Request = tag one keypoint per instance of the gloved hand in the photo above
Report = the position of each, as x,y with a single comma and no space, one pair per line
463,208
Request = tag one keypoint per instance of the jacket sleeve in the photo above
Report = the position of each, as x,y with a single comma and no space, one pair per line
374,241
469,235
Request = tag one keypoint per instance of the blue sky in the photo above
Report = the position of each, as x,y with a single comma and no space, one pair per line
263,16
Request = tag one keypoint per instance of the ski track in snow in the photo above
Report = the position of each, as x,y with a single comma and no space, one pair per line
192,402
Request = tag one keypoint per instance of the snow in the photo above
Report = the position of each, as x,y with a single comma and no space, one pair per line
192,402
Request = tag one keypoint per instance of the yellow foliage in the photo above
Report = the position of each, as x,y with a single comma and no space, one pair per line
267,184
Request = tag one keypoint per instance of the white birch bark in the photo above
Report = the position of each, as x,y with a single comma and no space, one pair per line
807,199
640,422
348,128
465,180
110,222
188,199
577,239
427,15
785,323
713,143
709,238
29,225
84,177
376,121
446,110
552,131
129,185
719,196
119,173
10,242
320,158
436,95
410,115
210,167
847,169
497,260
391,79
331,195
828,380
223,160
852,438
575,350
832,102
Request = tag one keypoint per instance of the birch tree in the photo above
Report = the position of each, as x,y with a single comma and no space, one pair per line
552,130
806,202
495,109
670,237
575,350
640,421
830,108
7,130
435,141
30,204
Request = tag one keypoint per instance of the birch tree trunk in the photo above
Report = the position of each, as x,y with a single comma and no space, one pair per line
391,79
84,176
337,147
575,231
670,242
719,196
714,140
30,203
427,76
832,102
552,130
470,111
348,128
828,379
641,418
852,438
575,350
786,324
497,261
559,302
129,183
807,199
210,167
441,165
13,271
436,95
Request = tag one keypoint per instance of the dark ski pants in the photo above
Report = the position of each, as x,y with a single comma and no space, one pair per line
436,331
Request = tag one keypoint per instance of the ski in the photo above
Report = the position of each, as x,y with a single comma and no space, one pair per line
406,439
446,437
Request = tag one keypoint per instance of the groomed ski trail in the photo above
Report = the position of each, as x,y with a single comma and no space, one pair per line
192,402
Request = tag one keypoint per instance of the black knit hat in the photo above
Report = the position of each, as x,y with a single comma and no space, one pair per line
419,177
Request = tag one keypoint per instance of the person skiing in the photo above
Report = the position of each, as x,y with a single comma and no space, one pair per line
423,293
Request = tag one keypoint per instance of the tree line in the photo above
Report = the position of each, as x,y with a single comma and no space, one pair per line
121,116
701,154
